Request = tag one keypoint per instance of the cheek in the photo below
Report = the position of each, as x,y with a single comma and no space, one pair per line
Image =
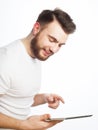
44,42
58,49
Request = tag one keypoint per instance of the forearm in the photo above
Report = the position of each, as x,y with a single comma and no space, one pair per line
39,99
9,122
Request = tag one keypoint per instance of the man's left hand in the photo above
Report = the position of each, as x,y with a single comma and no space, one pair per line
53,100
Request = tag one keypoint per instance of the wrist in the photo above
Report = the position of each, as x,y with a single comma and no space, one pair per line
21,125
46,95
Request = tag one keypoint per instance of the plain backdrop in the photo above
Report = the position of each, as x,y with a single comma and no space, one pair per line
73,71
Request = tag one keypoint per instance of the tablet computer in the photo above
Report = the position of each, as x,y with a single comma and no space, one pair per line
68,118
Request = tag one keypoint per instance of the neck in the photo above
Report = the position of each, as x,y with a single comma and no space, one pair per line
26,42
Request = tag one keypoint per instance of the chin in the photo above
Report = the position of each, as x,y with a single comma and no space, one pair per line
42,58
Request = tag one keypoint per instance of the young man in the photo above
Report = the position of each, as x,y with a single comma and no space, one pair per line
20,71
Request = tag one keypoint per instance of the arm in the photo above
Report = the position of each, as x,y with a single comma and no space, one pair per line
8,122
53,100
39,99
32,123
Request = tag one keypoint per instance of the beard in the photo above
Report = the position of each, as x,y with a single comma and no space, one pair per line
36,49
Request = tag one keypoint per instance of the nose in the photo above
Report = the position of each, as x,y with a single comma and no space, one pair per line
54,48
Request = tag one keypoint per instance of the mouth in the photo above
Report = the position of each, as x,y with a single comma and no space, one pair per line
47,53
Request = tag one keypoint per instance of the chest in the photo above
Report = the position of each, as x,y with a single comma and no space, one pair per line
25,79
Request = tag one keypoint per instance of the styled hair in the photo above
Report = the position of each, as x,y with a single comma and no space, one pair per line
64,19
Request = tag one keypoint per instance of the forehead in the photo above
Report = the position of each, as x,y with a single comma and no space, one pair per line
54,29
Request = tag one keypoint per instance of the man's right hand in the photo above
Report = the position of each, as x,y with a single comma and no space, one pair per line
37,123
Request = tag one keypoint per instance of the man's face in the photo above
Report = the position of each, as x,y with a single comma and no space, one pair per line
48,41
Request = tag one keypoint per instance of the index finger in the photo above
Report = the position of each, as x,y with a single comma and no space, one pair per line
61,99
58,98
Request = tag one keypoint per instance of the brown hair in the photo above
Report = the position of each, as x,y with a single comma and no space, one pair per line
66,22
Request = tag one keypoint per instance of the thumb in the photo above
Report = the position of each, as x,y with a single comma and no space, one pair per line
45,116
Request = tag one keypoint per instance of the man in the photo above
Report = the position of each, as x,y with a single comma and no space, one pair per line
20,71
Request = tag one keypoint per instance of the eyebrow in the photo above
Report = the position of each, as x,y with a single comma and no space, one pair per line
56,39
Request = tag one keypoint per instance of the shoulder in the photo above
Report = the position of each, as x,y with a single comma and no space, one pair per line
8,50
6,54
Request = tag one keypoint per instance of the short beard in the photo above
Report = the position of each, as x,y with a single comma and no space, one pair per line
35,49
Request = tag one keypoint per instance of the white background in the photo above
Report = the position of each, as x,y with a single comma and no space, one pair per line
73,72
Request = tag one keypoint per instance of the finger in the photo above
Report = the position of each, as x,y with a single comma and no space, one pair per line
52,123
45,117
54,97
50,98
54,105
59,98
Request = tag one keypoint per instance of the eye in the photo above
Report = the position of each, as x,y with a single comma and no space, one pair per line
60,45
51,39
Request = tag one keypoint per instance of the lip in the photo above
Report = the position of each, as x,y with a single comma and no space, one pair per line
46,53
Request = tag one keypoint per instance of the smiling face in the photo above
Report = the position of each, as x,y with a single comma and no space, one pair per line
48,40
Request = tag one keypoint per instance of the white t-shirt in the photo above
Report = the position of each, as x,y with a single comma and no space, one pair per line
20,80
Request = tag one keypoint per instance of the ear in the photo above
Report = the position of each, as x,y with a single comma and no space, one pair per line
36,28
